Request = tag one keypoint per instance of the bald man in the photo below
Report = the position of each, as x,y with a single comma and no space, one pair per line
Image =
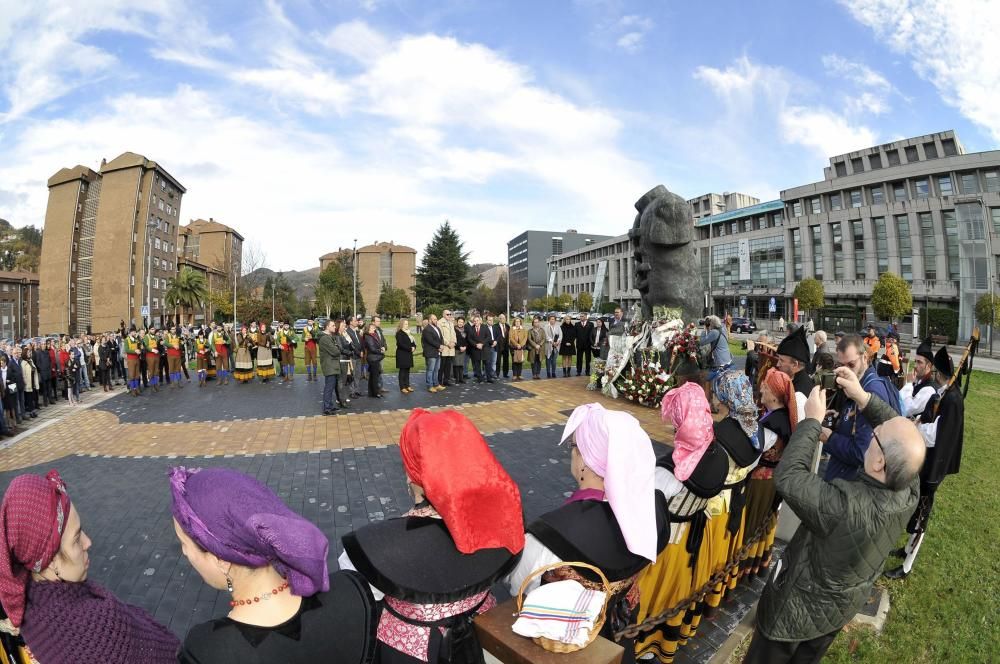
848,529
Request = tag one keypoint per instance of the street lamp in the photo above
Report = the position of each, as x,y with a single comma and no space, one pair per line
149,270
354,271
272,298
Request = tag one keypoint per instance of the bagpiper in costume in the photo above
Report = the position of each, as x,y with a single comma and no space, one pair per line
243,371
133,348
202,351
310,335
943,427
265,358
173,344
152,358
914,396
219,340
286,341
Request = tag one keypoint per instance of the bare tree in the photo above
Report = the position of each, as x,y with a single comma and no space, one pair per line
254,261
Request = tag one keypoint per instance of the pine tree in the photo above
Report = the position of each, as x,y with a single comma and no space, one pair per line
444,276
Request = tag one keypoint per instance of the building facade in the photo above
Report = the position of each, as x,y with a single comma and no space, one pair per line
708,204
921,208
214,250
18,305
109,245
605,269
528,255
380,263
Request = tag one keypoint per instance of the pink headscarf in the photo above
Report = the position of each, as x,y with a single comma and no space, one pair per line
688,410
615,447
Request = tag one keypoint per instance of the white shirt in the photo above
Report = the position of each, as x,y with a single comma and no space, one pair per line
914,405
929,429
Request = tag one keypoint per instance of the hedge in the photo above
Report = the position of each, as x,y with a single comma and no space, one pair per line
941,321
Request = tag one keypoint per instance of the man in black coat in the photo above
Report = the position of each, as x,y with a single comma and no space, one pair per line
14,375
502,333
943,426
584,351
480,343
356,350
44,365
431,345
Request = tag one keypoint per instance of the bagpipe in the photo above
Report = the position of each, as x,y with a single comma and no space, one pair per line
964,366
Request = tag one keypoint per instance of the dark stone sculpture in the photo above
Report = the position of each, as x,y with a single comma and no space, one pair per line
667,273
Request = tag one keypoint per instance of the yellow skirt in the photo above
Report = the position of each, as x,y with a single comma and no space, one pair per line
661,586
760,499
704,567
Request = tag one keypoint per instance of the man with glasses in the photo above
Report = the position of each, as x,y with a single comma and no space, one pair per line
851,435
848,528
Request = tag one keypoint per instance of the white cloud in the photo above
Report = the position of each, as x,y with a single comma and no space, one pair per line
357,40
954,46
871,89
636,27
824,130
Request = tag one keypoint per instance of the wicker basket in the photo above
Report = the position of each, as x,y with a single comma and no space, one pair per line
558,646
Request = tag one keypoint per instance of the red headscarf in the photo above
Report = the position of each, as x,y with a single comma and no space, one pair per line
781,385
446,455
33,516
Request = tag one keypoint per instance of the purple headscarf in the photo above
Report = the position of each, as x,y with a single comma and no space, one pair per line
240,520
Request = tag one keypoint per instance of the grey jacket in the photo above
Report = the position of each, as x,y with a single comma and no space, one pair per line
329,354
848,529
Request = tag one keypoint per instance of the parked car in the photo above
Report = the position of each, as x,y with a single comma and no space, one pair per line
743,325
300,324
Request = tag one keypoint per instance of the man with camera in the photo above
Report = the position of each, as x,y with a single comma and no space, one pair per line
848,529
847,438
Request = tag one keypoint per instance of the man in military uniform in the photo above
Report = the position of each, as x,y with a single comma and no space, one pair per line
942,424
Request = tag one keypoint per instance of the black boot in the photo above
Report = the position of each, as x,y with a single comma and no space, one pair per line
897,573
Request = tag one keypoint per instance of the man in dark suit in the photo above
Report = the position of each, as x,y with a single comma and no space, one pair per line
584,330
480,344
468,353
378,331
44,365
432,343
502,333
356,348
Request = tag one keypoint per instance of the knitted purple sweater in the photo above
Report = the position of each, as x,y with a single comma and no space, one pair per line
84,623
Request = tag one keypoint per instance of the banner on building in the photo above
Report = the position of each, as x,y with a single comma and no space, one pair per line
744,252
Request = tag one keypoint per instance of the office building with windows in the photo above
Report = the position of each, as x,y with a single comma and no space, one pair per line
18,305
109,245
528,255
922,208
708,204
216,252
605,269
380,263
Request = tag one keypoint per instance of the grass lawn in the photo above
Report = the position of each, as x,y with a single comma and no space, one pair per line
948,610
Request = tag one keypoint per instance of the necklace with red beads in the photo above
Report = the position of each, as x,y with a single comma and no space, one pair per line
258,598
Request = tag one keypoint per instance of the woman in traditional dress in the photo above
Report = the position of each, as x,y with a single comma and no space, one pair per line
737,434
63,617
777,396
614,521
263,343
287,343
286,606
518,344
436,564
243,359
687,478
404,354
567,349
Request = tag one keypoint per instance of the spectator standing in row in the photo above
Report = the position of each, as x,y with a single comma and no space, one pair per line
43,363
503,346
617,325
329,357
30,375
553,337
383,348
461,350
431,344
479,345
518,346
491,349
598,342
404,354
447,327
357,350
820,355
373,356
536,347
584,346
567,349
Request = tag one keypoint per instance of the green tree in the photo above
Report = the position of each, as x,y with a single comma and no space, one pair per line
988,310
187,290
609,307
335,288
444,276
810,294
393,302
584,301
891,297
564,302
482,298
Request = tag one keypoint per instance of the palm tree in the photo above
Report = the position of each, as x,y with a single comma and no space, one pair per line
186,290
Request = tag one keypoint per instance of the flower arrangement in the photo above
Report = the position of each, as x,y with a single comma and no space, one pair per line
644,381
598,374
684,344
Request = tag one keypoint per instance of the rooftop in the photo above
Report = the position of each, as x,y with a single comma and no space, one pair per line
132,160
209,226
749,211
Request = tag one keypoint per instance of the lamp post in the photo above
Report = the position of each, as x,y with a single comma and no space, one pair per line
508,292
272,298
354,272
149,271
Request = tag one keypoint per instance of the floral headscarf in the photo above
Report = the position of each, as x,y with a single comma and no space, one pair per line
733,388
687,409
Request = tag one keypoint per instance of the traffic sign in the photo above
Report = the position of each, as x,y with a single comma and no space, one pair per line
772,306
743,301
145,311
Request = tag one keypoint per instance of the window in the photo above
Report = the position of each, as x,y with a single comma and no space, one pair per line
929,241
767,261
944,186
748,225
875,161
797,209
160,204
835,202
970,222
911,154
905,247
881,245
857,229
893,157
922,188
734,227
930,150
899,191
726,265
817,244
557,246
856,199
156,282
763,222
995,213
980,273
838,251
968,183
948,145
876,194
858,165
157,223
156,242
841,168
777,220
992,180
796,255
816,205
951,238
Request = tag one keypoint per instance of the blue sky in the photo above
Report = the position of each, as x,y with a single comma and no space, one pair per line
308,124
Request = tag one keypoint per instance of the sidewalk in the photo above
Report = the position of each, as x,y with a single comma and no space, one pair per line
49,415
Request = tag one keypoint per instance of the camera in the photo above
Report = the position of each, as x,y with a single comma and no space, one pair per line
826,380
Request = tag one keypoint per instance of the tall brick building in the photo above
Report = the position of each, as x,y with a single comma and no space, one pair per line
109,246
18,305
215,250
379,263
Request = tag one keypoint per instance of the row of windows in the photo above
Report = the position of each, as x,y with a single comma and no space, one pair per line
762,222
910,152
902,190
594,254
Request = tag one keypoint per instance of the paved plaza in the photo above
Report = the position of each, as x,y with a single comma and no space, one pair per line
340,472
